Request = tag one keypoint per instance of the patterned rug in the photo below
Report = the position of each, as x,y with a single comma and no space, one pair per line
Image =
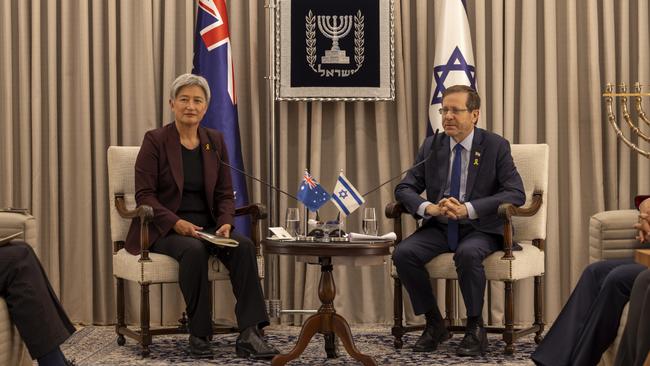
97,346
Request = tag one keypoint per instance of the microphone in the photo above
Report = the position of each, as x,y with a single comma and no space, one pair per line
214,147
435,134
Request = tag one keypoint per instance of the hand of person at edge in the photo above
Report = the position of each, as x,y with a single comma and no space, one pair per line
643,226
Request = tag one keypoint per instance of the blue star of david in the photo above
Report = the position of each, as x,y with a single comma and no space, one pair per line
343,193
456,62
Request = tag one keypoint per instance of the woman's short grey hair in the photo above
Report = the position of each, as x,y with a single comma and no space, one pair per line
189,80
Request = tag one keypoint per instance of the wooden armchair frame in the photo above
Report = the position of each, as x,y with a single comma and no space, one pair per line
144,335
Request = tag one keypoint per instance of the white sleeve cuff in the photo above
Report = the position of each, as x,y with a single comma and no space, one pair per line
421,209
471,213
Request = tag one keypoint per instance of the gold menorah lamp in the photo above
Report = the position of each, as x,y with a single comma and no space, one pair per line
620,91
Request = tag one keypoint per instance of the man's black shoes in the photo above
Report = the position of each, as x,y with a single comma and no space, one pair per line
200,347
250,344
475,341
431,337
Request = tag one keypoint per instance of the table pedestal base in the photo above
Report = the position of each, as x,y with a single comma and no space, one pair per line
326,322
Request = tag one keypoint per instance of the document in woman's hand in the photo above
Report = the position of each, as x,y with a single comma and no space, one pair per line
217,240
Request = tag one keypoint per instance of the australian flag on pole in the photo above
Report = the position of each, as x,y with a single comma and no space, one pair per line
453,61
213,61
311,193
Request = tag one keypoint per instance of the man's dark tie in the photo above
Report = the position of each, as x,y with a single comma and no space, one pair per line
454,191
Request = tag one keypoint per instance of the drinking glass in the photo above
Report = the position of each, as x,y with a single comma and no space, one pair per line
292,221
369,224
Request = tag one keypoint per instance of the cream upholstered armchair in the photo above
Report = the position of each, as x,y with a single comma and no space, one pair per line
12,348
612,236
151,268
508,266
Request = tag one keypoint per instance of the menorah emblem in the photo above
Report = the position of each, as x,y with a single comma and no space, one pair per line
335,28
620,91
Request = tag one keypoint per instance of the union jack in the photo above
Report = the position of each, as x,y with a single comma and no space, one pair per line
216,34
309,180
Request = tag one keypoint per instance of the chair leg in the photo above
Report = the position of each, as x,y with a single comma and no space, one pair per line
508,333
144,319
398,307
183,323
121,323
539,308
449,303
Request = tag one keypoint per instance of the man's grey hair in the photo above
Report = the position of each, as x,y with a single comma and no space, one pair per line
189,80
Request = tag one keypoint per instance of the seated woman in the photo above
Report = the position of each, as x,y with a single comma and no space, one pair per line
33,305
635,343
589,321
178,172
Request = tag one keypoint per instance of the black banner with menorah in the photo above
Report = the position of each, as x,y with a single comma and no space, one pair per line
338,50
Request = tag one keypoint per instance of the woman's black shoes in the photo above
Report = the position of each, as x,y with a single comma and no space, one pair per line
200,347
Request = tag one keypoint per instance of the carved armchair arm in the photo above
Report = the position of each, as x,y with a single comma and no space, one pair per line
257,212
394,210
508,210
145,213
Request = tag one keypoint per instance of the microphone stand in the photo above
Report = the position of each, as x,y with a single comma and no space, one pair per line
258,179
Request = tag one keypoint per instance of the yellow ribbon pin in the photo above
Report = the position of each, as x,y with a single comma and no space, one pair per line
475,162
207,147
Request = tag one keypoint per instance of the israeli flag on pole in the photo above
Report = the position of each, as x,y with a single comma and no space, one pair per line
345,196
453,62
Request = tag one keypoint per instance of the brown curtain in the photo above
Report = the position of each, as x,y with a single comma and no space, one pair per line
77,76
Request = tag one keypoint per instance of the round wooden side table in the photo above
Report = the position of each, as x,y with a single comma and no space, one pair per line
326,321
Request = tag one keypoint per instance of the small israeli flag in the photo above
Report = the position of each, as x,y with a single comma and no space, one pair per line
345,196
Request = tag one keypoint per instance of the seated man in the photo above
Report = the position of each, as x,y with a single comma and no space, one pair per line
467,173
635,343
33,306
589,321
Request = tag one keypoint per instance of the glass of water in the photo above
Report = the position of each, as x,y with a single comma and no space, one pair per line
292,221
369,221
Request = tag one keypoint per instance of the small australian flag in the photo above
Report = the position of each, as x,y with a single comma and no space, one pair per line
311,193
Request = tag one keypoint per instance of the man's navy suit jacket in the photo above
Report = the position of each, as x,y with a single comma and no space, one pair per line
492,178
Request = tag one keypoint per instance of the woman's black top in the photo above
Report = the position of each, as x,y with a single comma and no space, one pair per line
194,207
